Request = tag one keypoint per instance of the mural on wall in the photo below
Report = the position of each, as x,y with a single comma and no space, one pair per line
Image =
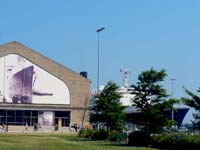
45,118
21,81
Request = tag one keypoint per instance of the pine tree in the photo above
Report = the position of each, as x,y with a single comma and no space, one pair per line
194,102
151,100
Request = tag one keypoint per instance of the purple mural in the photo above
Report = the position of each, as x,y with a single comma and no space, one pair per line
24,82
21,86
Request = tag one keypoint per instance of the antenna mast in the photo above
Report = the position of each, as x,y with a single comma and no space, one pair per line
126,74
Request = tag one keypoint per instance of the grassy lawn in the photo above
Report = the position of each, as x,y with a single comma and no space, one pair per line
55,142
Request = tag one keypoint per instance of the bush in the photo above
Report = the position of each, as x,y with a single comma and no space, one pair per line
139,138
169,141
99,135
81,132
102,135
117,136
86,133
93,134
194,141
176,141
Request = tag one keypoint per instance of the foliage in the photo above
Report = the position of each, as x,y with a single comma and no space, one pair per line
85,133
194,102
138,138
107,108
117,136
81,132
100,135
151,100
176,141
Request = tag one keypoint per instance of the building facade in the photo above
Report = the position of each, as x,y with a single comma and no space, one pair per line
37,90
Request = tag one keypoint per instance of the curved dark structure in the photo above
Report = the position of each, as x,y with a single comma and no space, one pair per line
179,115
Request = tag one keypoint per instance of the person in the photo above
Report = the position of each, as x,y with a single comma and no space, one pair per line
70,128
6,127
35,127
56,127
3,128
76,127
26,126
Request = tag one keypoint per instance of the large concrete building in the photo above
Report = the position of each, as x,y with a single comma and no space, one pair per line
37,90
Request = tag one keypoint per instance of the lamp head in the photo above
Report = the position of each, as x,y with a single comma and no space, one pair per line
100,29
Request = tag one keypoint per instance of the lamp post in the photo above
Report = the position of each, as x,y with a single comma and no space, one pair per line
172,80
172,96
98,58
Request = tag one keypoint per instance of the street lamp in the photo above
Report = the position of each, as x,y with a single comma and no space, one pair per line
172,80
172,96
98,64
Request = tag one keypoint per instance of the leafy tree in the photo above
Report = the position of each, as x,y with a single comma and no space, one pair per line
194,102
151,100
107,108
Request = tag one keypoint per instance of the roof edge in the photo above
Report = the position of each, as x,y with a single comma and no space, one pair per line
18,43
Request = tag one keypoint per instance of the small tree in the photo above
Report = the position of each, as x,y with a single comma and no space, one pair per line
194,102
107,108
151,100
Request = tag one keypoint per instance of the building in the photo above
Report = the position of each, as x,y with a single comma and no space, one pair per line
37,90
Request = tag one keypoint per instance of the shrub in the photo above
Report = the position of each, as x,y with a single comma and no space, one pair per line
99,135
117,136
81,132
86,133
169,141
176,141
139,138
195,141
102,134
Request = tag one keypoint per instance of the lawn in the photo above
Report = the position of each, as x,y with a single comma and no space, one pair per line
55,142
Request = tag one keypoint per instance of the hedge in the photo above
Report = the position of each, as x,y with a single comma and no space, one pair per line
102,135
176,141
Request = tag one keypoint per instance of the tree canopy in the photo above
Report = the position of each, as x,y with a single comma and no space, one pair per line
107,108
194,102
151,100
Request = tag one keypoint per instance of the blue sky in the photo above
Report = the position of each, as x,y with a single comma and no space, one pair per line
139,35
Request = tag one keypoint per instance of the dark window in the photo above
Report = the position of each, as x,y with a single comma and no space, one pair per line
64,115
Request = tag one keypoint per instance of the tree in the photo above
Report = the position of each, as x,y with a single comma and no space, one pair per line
194,102
151,100
107,108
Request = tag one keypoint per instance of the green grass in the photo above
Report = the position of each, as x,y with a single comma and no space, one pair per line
56,142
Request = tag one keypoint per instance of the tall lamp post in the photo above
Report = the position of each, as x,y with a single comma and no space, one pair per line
172,95
172,80
98,58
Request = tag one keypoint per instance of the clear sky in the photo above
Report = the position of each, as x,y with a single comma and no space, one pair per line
139,35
